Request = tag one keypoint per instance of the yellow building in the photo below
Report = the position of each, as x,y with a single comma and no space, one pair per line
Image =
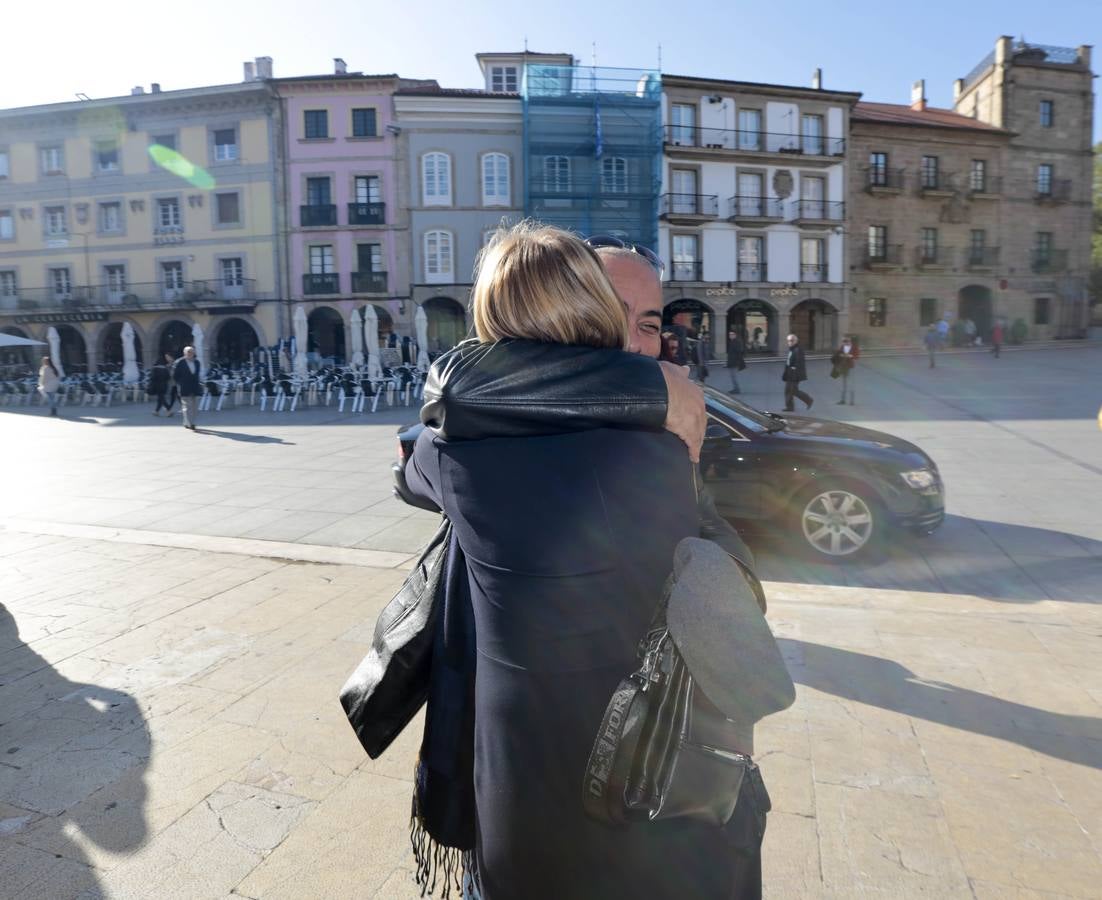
159,209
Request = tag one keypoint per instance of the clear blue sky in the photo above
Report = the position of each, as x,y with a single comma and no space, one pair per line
878,48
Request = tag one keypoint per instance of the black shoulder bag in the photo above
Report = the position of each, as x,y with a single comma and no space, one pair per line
392,682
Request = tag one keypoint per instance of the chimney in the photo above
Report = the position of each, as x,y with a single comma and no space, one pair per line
263,68
155,88
340,67
817,80
958,89
918,94
250,71
135,91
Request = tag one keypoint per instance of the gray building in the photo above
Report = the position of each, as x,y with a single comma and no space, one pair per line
461,151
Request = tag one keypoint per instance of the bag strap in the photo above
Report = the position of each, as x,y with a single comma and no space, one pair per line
604,783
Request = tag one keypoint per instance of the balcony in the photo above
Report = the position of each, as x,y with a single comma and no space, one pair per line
1059,191
1049,260
687,271
819,212
752,273
754,209
933,257
936,184
369,282
152,295
168,234
328,283
688,208
729,140
885,256
366,213
882,180
813,273
317,215
981,257
988,187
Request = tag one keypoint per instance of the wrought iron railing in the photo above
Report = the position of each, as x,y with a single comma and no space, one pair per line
369,282
752,273
134,295
366,213
981,257
1050,260
687,270
751,207
688,205
327,283
984,184
813,272
317,215
753,141
820,210
933,256
883,178
884,255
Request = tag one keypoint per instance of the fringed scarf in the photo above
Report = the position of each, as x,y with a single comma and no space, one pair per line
442,816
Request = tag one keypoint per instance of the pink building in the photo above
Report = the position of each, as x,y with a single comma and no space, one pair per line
345,206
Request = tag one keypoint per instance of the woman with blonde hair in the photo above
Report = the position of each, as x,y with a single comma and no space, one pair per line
564,543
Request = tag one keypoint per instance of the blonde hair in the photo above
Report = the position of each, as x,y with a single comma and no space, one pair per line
541,283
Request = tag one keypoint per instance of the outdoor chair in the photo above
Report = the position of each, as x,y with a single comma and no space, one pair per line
350,391
269,390
213,394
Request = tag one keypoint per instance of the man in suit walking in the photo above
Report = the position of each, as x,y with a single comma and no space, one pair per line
795,371
186,373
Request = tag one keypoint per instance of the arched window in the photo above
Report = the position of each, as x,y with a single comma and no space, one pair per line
438,257
556,173
436,179
495,179
614,175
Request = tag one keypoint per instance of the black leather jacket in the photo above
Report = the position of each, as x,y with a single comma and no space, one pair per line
516,388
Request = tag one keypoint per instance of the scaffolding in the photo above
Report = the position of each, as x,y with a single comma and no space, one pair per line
593,149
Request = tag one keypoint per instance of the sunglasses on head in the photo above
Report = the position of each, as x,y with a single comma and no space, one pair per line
607,240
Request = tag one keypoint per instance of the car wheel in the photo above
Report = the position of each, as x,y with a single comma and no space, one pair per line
839,521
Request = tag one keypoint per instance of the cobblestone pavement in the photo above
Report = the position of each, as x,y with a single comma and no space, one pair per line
177,612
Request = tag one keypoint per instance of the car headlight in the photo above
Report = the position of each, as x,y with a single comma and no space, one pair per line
919,478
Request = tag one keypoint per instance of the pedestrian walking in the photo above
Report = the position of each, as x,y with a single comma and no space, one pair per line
844,363
161,385
795,371
943,330
49,383
186,373
736,359
997,339
932,340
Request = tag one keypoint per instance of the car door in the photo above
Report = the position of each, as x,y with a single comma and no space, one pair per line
727,466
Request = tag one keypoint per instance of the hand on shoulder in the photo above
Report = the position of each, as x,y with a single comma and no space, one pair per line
685,415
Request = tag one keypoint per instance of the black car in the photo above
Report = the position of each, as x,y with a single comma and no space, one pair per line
838,488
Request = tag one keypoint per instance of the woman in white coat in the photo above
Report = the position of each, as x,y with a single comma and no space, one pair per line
49,383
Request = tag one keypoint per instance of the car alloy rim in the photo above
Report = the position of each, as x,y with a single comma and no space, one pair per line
837,523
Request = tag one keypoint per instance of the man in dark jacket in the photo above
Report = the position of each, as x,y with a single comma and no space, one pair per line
795,371
160,383
186,374
736,360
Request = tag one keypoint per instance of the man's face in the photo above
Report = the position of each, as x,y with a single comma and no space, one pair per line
791,340
189,353
638,286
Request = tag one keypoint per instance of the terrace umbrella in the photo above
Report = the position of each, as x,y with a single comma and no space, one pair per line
199,346
356,329
54,340
129,355
421,323
371,339
11,340
301,329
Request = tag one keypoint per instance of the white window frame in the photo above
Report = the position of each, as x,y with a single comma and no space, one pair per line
61,281
173,285
321,262
221,155
683,124
233,269
52,159
6,215
49,222
101,146
436,178
367,182
114,279
614,175
438,246
5,163
496,181
500,77
1044,184
175,218
101,220
556,174
9,283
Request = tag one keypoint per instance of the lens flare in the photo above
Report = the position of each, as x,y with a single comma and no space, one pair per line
178,164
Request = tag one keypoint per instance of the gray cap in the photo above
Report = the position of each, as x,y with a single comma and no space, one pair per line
721,633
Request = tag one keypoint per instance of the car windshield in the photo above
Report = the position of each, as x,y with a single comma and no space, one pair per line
740,412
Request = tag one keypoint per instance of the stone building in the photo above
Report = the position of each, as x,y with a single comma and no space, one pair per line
980,213
753,208
158,209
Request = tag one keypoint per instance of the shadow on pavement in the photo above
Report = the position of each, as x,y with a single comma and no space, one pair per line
73,756
883,683
995,560
248,438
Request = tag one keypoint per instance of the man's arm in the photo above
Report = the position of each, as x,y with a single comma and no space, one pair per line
517,388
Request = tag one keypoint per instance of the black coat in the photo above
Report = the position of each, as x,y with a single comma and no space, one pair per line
187,383
566,560
158,380
735,354
795,369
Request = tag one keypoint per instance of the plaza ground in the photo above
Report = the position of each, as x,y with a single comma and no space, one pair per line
178,611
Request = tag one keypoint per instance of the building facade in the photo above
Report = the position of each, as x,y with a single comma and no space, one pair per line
464,170
348,225
158,209
752,212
